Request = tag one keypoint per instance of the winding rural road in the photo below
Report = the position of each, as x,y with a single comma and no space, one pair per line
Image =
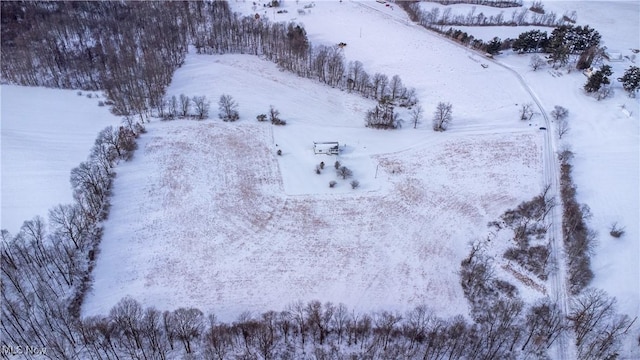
565,348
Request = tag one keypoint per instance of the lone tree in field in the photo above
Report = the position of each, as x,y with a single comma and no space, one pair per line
536,62
274,116
416,115
559,112
442,117
526,112
631,80
228,108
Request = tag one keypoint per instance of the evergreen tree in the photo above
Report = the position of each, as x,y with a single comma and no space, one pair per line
597,79
631,80
493,47
531,41
569,39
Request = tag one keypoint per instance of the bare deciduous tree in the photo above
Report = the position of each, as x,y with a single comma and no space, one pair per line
616,230
188,325
127,315
379,84
544,323
536,62
526,112
395,87
559,112
274,116
202,106
344,172
273,113
442,116
416,115
562,127
383,116
597,326
185,105
172,107
228,108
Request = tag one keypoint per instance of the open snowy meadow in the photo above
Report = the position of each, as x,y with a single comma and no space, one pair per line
45,133
208,215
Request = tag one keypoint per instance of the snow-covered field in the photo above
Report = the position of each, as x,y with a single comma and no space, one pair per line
228,226
207,215
45,133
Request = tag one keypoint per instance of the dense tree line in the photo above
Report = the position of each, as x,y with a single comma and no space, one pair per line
96,45
492,3
505,328
287,46
579,240
428,20
46,267
565,39
438,19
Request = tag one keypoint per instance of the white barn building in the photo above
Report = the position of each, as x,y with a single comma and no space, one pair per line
326,147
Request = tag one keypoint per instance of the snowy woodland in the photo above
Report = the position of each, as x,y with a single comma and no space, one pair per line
449,227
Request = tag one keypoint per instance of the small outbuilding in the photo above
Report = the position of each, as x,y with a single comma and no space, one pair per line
614,55
326,147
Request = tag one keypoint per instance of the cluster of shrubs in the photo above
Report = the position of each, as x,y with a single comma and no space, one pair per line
341,171
273,117
527,224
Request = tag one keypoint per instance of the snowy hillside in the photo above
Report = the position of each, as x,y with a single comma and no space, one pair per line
45,133
235,219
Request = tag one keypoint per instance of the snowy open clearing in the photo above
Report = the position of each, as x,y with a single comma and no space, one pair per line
227,225
45,133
